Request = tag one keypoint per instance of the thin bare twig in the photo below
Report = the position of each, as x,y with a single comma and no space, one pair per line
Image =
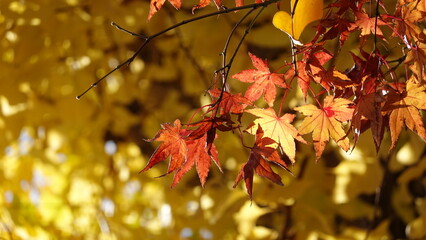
147,39
226,69
246,32
228,40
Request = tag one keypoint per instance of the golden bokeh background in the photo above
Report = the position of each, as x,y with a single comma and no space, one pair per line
69,168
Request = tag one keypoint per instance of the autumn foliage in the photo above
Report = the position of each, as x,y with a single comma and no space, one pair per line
279,119
378,93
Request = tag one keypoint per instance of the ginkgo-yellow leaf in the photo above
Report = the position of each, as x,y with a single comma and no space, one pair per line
282,21
277,128
305,12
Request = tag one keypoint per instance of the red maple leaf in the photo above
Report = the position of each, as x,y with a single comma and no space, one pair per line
368,111
207,127
344,5
230,103
261,156
311,67
208,124
263,80
336,27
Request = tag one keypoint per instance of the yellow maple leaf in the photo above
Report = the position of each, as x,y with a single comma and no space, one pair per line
277,128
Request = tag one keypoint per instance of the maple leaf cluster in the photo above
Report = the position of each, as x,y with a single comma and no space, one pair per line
343,103
193,145
155,5
186,148
382,100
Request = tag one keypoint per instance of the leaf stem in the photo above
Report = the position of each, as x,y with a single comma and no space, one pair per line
246,32
282,101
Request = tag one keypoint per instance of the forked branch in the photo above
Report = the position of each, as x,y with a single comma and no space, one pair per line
147,39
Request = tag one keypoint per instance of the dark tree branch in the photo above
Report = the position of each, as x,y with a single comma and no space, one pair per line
147,39
228,40
227,67
246,32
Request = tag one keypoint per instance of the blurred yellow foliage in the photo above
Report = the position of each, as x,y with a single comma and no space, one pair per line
69,169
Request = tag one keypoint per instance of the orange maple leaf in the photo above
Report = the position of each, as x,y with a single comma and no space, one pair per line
204,3
156,5
326,122
185,152
263,81
403,108
277,128
410,14
367,24
200,157
259,161
416,58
